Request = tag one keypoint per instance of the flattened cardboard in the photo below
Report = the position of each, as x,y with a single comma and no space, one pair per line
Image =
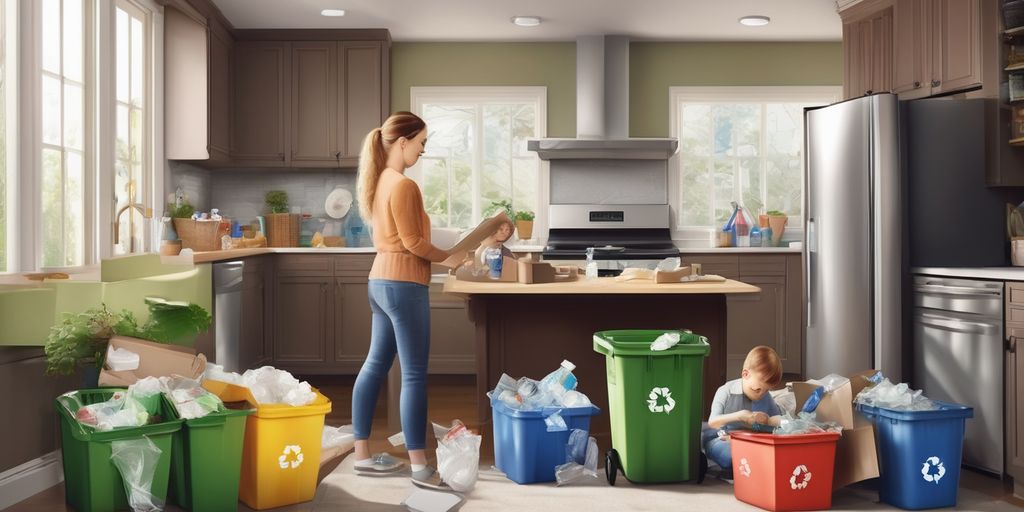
155,360
461,250
836,406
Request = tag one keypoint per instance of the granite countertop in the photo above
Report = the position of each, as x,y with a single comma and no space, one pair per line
993,273
599,286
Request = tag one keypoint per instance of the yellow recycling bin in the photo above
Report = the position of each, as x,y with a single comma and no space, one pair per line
281,452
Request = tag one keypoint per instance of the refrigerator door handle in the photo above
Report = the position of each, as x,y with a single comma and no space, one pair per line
812,249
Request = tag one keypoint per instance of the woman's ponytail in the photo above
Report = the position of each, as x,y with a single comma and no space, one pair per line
372,159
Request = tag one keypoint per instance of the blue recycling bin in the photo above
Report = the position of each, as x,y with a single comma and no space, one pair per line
524,449
919,454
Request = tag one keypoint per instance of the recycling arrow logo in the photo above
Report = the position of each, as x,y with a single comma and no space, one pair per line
660,400
744,467
291,457
933,470
800,479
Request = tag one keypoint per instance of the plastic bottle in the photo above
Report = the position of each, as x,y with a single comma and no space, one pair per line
528,393
742,229
730,226
560,380
591,264
755,237
812,401
494,262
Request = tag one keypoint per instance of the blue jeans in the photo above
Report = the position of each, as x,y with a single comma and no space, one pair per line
717,450
401,323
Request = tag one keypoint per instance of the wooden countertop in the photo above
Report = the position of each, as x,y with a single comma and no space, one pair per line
234,254
599,286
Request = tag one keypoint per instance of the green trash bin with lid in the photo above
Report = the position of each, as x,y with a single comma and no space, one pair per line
206,461
655,404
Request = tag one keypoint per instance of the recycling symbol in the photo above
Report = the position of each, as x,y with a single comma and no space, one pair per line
933,470
744,467
660,400
292,457
798,483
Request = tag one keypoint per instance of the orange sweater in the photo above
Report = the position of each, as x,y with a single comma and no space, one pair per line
401,231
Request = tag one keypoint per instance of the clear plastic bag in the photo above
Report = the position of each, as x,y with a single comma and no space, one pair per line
267,384
190,398
334,437
805,423
458,456
136,460
895,396
121,410
665,341
555,422
581,455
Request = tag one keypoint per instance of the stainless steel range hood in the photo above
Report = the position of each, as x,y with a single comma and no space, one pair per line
602,109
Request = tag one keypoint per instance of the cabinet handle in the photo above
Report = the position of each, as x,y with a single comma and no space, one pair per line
935,83
867,93
917,85
1011,347
323,288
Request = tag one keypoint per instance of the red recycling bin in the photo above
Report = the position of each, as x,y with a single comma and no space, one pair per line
784,472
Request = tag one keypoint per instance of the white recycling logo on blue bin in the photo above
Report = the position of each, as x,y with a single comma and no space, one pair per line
660,400
932,470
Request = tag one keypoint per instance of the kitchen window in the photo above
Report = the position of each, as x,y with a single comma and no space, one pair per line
7,142
742,144
476,151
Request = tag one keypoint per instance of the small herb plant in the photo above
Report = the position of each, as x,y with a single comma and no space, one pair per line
277,201
184,211
504,204
775,213
524,215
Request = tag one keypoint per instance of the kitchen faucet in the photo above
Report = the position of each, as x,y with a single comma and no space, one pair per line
146,214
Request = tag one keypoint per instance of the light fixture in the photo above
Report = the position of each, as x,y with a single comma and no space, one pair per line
332,12
526,21
755,21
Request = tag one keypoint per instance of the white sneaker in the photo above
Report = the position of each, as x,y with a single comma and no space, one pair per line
381,464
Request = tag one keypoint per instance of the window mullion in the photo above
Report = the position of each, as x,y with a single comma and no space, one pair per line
477,161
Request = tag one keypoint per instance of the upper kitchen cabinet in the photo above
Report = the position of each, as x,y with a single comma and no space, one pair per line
956,46
363,94
262,80
314,108
197,90
867,48
911,49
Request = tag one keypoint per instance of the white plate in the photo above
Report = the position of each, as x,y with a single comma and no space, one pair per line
338,203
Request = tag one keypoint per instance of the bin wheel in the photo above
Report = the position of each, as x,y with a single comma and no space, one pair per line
702,471
611,465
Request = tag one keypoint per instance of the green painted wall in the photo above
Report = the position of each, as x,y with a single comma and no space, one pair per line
654,67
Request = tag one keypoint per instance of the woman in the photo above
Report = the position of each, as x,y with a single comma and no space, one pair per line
392,204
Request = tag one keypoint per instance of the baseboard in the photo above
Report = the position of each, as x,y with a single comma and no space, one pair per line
31,478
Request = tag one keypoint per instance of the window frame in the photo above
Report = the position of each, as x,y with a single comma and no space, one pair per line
9,48
694,236
494,94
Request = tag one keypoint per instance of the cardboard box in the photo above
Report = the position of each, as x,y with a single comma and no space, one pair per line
856,457
464,249
155,360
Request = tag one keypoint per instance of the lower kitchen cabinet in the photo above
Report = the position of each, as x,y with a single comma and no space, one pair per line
303,315
1015,387
352,321
254,342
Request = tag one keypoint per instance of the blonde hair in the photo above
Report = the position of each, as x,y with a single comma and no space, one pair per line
374,155
765,361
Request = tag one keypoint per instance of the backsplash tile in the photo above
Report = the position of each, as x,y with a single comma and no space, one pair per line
193,180
239,193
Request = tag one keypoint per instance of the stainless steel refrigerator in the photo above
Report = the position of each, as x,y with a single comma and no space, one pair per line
853,261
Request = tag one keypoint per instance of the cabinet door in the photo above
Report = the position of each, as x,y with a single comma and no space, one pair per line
956,63
314,110
220,92
911,49
261,100
352,320
360,93
881,52
1014,408
853,60
252,343
303,312
758,319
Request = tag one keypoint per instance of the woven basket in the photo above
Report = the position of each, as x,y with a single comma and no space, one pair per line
283,229
198,235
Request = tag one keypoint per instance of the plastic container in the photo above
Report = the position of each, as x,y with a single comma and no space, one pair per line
524,449
784,472
91,481
281,451
206,461
655,403
919,454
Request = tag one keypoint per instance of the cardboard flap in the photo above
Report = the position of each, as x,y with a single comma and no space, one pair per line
469,244
836,406
856,455
155,360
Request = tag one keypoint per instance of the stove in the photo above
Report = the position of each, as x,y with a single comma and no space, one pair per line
621,235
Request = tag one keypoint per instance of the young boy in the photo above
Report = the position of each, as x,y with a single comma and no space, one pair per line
740,403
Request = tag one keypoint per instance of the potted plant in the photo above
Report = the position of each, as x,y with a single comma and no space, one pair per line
777,221
282,227
495,206
524,224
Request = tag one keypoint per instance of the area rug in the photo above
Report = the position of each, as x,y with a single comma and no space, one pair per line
344,490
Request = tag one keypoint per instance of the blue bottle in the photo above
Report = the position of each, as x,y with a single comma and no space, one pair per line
755,237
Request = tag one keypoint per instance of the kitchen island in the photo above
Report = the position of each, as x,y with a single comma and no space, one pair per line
527,330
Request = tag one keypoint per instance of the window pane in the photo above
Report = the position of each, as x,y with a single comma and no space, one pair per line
74,210
784,130
695,136
784,177
51,111
723,194
750,179
51,36
73,42
123,52
496,173
3,151
122,146
74,113
135,142
138,49
697,193
53,209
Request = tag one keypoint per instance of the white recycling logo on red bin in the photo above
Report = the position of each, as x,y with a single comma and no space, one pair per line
744,467
660,400
291,457
801,478
933,470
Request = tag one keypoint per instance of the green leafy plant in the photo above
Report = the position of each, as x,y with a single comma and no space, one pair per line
504,204
277,201
775,213
184,211
524,215
81,338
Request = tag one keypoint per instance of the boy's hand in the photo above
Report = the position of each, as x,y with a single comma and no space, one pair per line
746,417
760,417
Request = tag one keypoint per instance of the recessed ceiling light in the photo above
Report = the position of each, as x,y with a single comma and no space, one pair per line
754,21
526,21
332,12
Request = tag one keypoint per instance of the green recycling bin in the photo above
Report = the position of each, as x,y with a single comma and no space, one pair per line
655,404
206,461
91,481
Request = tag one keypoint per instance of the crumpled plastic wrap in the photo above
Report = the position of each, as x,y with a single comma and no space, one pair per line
121,359
581,454
189,397
267,384
555,422
527,394
665,341
805,423
136,460
895,396
333,437
458,456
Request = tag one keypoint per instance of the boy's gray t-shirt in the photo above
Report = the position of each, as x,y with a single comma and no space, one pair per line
730,398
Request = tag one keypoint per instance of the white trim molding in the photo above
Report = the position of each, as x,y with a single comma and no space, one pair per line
22,482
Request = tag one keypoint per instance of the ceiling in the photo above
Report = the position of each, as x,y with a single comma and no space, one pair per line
563,20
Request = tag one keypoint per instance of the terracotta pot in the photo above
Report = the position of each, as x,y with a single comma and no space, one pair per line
525,229
778,225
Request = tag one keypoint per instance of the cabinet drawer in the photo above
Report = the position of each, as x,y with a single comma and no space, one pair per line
1015,314
762,265
1015,330
726,266
353,264
304,264
1015,293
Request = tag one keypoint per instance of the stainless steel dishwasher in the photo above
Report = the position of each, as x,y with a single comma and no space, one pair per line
227,313
958,357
